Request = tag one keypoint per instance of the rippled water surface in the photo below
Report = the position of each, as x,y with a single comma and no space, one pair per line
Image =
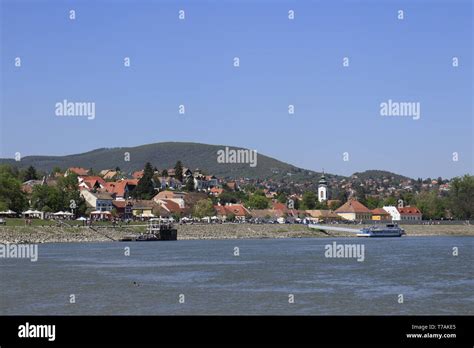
258,281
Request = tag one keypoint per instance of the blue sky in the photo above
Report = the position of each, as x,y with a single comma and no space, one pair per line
283,62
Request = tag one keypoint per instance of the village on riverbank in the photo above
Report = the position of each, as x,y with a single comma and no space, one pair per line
78,204
80,197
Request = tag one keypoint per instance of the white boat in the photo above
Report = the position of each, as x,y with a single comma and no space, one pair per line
390,230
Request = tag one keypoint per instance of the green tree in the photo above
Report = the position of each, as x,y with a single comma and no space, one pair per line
30,174
335,204
178,171
373,202
3,206
281,197
257,201
11,195
230,217
431,205
408,198
164,173
321,205
232,197
360,194
390,201
309,200
46,196
190,184
460,199
203,208
64,196
296,203
145,188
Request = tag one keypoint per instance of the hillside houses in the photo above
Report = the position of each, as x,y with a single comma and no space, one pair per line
205,182
109,174
98,201
168,197
91,183
241,198
121,189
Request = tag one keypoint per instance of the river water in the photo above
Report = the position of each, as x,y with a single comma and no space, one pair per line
262,276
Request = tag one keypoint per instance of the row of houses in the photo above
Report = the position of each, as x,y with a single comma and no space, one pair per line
200,181
168,203
354,210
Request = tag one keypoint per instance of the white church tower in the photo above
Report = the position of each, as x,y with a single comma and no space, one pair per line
322,189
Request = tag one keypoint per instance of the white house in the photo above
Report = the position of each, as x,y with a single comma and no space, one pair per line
393,211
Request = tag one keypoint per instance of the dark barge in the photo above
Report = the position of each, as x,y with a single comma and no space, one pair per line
157,230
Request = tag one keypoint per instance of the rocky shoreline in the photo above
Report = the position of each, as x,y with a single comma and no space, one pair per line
33,234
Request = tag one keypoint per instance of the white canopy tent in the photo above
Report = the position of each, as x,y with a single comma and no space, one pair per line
101,215
33,213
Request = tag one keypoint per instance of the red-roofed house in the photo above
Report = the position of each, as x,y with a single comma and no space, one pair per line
279,206
138,174
238,210
354,210
216,191
379,214
122,189
410,213
171,206
90,183
170,196
77,170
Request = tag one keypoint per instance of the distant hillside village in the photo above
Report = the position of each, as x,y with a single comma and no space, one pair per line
185,195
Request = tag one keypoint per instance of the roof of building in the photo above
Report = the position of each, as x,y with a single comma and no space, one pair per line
322,213
353,206
379,211
118,187
119,204
217,190
104,196
138,174
171,206
142,204
279,206
110,174
169,195
409,211
78,170
92,180
263,213
236,209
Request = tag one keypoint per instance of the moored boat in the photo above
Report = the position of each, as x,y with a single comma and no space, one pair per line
390,230
157,230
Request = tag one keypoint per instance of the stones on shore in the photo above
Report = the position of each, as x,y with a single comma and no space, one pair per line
33,234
